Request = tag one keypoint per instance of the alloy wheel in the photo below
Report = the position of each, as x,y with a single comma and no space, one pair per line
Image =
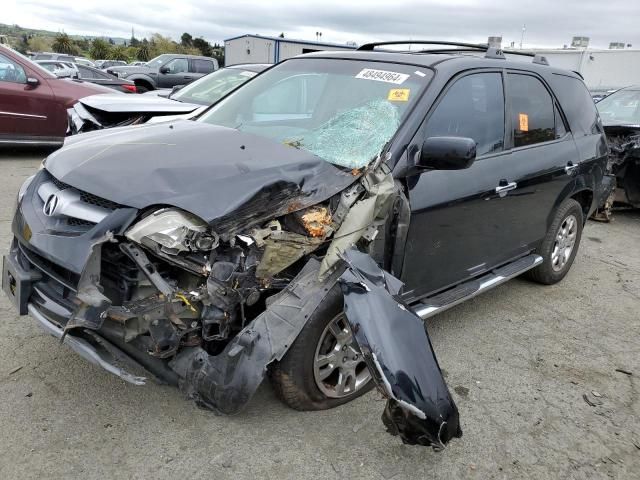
339,369
564,242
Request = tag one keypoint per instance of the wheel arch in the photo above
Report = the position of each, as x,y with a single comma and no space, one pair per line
143,81
585,198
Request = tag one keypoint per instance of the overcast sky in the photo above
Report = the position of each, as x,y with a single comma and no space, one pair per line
549,23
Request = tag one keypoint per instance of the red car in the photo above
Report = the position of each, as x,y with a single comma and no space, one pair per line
34,102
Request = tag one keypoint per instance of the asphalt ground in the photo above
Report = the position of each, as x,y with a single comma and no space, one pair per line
532,369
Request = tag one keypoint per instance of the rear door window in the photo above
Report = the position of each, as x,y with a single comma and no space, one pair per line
532,112
474,108
85,72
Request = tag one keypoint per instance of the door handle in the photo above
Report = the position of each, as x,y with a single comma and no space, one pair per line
187,78
505,187
570,168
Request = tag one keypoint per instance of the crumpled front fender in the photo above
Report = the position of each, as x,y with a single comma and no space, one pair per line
398,352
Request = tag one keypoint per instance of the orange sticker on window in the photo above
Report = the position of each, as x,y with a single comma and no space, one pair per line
399,95
524,122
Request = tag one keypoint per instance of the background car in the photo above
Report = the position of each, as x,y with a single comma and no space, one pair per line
104,111
100,77
53,56
88,74
35,102
620,114
166,71
58,68
104,64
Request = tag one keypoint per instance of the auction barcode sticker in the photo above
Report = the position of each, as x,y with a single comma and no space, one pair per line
382,76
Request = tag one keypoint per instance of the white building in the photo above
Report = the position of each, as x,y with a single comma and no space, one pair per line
602,69
259,49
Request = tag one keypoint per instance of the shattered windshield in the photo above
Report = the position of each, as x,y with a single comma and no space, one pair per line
343,111
621,107
213,87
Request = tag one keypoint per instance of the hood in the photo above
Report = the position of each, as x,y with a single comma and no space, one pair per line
228,178
118,103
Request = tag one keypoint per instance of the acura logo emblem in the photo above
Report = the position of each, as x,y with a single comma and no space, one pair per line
50,205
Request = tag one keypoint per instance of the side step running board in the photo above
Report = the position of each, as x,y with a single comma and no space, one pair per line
431,306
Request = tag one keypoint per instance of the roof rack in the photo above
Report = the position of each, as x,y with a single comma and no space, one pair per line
492,52
371,46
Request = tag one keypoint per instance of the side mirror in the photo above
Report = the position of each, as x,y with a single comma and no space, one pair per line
32,81
165,69
176,88
447,153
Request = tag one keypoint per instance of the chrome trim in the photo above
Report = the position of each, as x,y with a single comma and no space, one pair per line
31,142
503,189
69,204
26,115
83,348
487,282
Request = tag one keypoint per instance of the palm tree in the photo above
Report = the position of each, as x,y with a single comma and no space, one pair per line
118,52
144,54
99,49
63,43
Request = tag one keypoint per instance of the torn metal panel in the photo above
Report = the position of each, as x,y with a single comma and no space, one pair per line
365,213
399,355
227,381
92,302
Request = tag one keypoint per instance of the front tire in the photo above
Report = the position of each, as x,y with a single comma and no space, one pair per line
560,245
324,367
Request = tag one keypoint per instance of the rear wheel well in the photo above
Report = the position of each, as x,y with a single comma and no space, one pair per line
585,199
144,84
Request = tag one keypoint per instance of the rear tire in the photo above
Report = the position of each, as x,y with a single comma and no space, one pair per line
560,245
296,378
142,88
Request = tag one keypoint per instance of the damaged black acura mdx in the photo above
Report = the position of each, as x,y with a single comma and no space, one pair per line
306,225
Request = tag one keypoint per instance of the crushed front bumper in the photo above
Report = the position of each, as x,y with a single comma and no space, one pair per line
25,285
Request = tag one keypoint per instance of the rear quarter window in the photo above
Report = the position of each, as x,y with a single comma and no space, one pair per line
576,103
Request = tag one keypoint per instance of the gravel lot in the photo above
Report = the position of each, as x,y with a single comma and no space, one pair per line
518,360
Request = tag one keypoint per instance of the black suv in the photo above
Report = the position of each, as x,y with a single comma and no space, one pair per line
273,234
166,71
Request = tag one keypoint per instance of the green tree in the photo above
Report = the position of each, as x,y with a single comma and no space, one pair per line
118,52
99,49
204,46
63,43
39,44
186,40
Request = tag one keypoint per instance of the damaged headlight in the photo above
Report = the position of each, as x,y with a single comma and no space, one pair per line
174,231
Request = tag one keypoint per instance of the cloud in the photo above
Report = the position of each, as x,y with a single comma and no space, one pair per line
548,23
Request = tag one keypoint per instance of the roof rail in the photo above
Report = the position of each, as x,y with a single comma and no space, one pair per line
371,46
